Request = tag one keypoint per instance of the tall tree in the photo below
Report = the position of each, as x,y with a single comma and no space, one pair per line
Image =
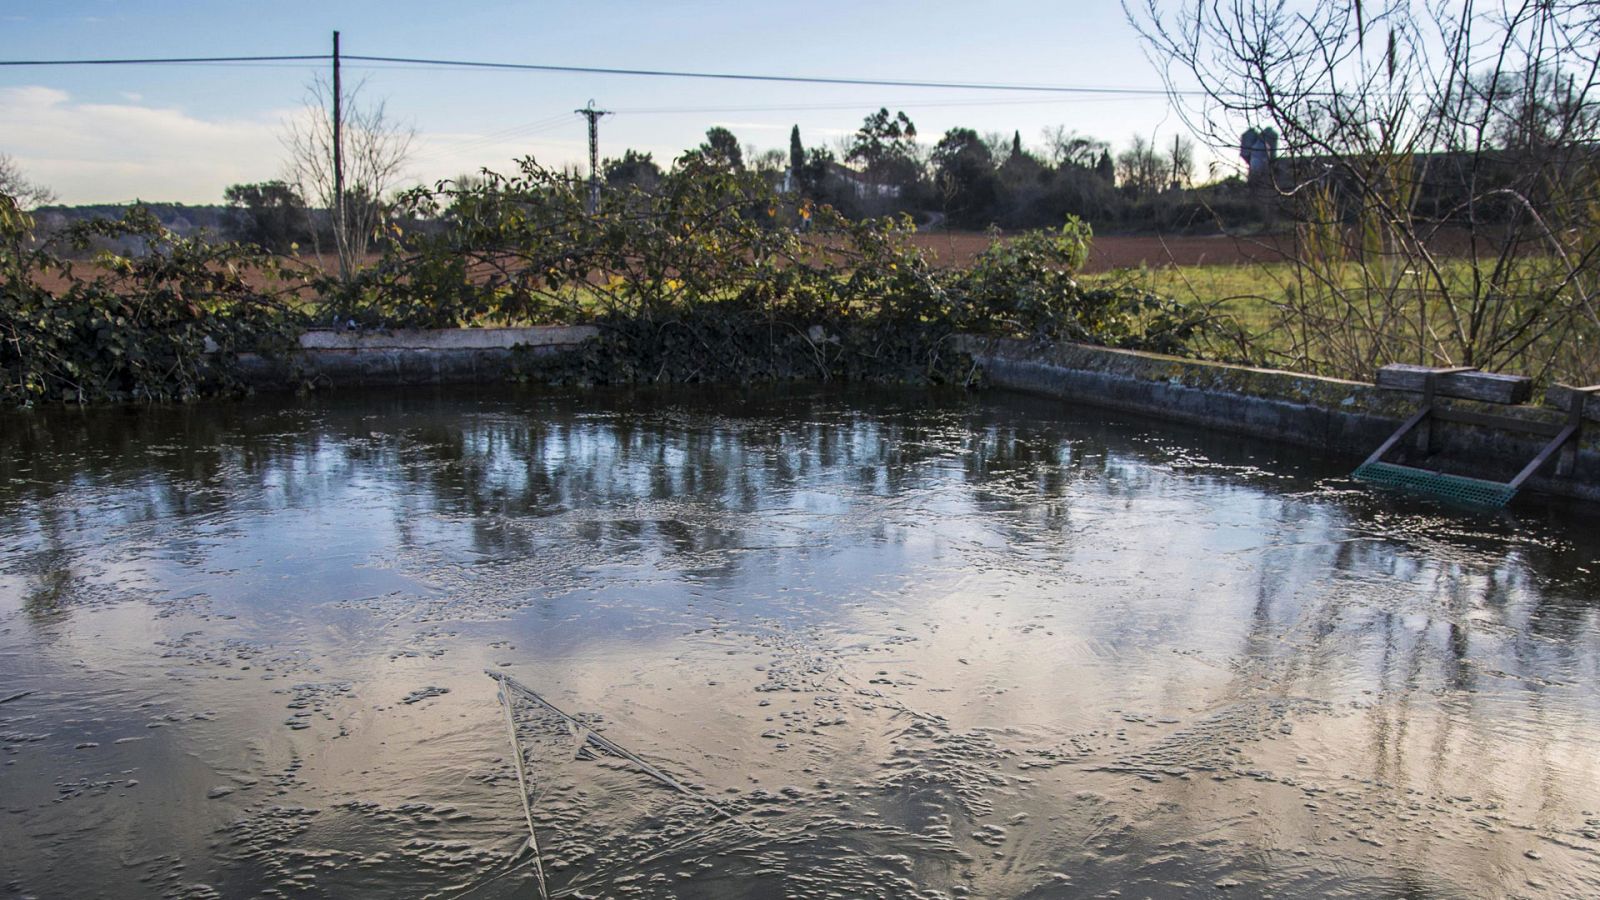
964,174
797,153
634,168
721,149
812,178
271,215
1104,167
886,146
376,151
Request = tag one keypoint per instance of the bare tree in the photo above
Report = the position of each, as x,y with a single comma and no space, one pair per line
1066,147
999,144
1440,159
376,150
27,194
768,162
1139,167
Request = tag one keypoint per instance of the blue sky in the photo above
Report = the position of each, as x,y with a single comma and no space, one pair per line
183,133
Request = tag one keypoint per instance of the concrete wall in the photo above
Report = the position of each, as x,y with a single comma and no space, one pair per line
1347,418
403,357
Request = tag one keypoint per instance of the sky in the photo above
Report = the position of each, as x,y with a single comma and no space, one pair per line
183,133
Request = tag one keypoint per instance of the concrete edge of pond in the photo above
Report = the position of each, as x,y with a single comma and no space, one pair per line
1347,418
449,338
407,356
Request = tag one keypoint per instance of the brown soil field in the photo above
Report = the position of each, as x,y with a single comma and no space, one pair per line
1106,252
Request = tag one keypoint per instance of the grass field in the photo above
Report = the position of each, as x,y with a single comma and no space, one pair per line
1109,252
1245,292
1352,331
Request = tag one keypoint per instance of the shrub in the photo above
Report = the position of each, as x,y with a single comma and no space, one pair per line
161,325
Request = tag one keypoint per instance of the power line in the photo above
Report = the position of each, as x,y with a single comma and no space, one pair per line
167,61
595,70
824,107
733,76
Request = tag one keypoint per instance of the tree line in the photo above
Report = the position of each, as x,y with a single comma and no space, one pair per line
964,180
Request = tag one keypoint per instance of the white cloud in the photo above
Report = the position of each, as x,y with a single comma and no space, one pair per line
97,152
753,126
116,152
441,155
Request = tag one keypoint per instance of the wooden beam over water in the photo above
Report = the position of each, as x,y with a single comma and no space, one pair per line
1562,397
1463,384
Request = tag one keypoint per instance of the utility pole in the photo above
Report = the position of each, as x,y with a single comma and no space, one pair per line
593,115
1175,160
338,164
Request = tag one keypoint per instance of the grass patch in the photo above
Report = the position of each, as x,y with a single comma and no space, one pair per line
1286,316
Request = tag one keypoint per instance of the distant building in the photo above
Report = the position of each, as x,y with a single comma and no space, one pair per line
1257,149
863,186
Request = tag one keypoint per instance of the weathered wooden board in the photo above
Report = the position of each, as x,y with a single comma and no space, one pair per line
1562,397
1490,387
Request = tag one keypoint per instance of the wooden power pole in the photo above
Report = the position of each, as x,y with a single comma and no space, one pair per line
338,163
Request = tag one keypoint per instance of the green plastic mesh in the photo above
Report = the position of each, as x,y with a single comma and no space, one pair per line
1461,489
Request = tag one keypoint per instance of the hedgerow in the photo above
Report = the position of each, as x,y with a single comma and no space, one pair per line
716,277
711,277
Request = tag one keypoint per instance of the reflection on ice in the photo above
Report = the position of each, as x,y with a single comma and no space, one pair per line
911,644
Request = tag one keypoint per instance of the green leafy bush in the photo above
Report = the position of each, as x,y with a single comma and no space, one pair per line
707,278
163,324
1028,285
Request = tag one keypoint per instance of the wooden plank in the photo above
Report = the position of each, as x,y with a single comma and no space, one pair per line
1468,384
1562,396
1549,450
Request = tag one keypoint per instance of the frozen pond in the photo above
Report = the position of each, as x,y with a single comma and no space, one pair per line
890,644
